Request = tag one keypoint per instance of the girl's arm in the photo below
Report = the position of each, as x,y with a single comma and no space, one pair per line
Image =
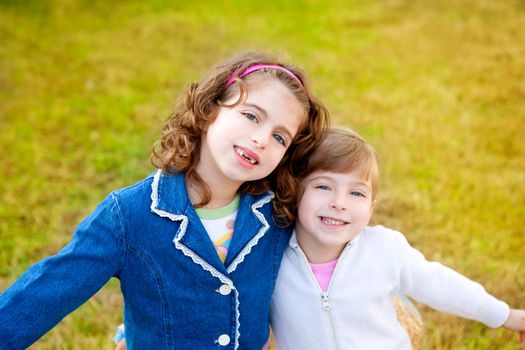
446,290
57,285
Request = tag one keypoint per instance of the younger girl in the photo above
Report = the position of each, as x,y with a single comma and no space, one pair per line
334,287
250,116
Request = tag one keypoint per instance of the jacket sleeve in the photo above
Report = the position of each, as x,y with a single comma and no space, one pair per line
446,290
57,285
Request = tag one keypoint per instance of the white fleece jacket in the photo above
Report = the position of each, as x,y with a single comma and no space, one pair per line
357,311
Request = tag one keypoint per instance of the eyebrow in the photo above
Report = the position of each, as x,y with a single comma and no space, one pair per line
280,128
323,177
260,109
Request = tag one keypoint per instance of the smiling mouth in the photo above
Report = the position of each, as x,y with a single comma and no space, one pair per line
333,222
241,153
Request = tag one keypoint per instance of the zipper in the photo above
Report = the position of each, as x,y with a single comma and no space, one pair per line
324,295
326,309
325,304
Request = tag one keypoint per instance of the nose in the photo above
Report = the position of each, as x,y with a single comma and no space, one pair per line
338,202
260,139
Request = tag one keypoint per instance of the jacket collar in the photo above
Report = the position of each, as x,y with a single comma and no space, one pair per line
169,198
250,225
293,245
168,193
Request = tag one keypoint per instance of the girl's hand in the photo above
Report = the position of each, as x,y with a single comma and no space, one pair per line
121,345
516,322
120,337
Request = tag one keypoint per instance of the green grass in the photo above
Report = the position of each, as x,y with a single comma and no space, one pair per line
438,89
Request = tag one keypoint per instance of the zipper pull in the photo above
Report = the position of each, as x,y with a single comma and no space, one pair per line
326,305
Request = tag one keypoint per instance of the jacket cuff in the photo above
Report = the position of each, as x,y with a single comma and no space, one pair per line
494,312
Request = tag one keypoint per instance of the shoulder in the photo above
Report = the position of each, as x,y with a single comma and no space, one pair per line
143,185
382,233
135,194
121,203
382,238
386,245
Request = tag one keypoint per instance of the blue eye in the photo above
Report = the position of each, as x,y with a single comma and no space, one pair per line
250,116
357,194
279,139
322,187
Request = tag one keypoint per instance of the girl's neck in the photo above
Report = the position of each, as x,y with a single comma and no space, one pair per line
222,193
315,252
321,257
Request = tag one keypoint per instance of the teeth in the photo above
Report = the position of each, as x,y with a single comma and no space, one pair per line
242,154
333,221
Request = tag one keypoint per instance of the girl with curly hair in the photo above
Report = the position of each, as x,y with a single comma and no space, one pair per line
197,245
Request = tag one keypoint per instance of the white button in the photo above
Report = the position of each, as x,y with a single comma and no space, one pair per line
225,289
224,340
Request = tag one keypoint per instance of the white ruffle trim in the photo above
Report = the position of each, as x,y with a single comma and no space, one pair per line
240,258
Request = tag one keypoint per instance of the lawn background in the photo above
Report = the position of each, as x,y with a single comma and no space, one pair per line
439,89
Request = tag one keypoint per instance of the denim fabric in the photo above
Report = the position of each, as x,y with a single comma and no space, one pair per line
177,292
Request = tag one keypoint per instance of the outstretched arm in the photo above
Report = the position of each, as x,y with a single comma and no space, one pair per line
446,290
57,285
516,322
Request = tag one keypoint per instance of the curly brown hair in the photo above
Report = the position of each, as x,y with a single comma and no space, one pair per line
178,149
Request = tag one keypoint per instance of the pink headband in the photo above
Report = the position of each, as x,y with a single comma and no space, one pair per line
259,66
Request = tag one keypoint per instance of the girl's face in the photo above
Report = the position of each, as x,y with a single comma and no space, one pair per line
246,142
333,210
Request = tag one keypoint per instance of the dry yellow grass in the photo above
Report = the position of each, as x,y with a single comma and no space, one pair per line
437,87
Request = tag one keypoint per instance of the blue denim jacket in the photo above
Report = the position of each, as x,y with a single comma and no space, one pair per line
177,292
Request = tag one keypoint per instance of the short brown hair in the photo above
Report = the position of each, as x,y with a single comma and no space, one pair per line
342,151
178,148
